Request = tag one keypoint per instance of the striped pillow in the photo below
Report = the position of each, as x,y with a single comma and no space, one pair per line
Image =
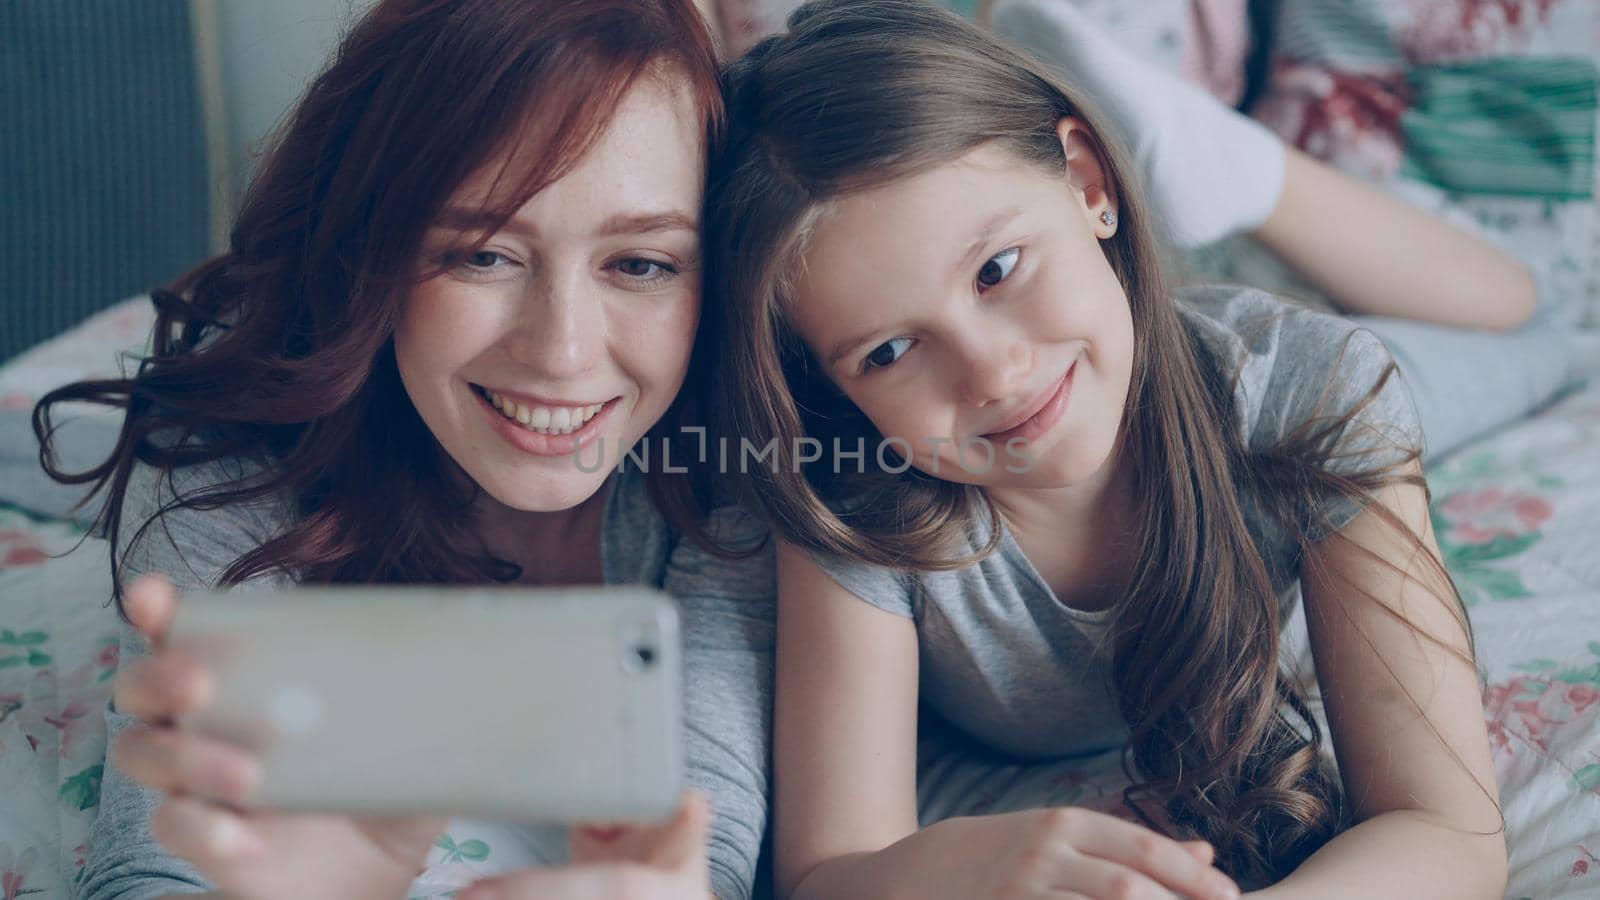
1485,111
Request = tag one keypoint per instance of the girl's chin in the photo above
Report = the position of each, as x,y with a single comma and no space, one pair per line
1062,468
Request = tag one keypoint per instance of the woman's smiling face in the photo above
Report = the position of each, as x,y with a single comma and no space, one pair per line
972,304
569,330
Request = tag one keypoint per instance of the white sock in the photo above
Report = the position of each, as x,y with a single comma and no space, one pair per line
1208,170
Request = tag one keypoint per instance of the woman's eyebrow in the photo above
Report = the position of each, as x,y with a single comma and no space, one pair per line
467,218
647,222
641,222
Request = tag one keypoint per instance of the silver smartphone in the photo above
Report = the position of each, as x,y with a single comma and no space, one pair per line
512,704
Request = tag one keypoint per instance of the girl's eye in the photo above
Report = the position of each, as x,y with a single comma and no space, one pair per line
998,268
887,353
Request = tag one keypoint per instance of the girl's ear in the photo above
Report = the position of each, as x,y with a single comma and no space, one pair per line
1090,176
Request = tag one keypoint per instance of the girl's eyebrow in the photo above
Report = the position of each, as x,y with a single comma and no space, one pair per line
841,349
984,234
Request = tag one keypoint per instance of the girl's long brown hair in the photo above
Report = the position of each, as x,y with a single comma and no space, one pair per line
279,351
860,93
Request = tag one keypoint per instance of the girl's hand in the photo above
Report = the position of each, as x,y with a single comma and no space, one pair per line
666,861
1057,853
208,785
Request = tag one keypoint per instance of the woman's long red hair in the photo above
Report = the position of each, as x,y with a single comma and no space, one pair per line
279,351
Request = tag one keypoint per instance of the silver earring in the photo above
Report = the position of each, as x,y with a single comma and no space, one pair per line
1109,218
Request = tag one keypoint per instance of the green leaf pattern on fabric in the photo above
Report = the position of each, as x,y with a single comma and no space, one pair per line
23,649
82,791
470,850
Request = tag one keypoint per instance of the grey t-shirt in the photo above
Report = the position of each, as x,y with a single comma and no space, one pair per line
1005,661
726,617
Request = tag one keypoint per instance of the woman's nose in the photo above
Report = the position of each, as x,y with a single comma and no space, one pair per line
560,328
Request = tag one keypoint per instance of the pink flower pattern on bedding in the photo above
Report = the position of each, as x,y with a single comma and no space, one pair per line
1479,530
1515,513
1516,516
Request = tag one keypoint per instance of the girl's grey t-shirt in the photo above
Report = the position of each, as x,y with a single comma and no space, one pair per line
727,617
1005,661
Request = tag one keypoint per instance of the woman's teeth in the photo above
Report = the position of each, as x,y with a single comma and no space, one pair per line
544,419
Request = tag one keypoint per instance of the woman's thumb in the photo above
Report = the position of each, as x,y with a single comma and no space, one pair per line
674,842
684,837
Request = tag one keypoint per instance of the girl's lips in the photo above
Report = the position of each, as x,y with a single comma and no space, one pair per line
1044,417
536,444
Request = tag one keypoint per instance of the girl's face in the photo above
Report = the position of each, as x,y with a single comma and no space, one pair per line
569,332
971,304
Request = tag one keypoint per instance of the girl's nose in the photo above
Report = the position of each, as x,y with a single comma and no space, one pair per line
996,371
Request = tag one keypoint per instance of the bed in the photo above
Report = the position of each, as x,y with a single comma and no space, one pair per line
1516,512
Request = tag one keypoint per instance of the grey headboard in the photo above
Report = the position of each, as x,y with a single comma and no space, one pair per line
103,175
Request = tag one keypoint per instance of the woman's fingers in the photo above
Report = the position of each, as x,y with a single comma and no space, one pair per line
182,763
150,603
162,687
406,839
206,835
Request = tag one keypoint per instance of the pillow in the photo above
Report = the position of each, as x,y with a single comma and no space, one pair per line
1484,112
96,348
1205,40
91,349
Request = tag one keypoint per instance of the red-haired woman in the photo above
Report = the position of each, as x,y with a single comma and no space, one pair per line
470,262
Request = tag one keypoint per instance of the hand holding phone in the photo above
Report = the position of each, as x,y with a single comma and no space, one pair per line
521,705
658,861
253,854
246,855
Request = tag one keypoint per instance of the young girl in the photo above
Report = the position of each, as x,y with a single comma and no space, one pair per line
1065,509
472,253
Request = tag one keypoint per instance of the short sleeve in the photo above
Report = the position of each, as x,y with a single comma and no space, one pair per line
1326,368
728,621
192,547
891,590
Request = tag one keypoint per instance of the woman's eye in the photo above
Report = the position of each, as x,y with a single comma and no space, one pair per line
887,353
636,267
485,259
998,268
642,272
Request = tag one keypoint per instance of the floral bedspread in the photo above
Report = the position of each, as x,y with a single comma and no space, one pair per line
1516,515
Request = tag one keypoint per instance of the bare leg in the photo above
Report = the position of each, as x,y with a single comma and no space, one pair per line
1375,254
